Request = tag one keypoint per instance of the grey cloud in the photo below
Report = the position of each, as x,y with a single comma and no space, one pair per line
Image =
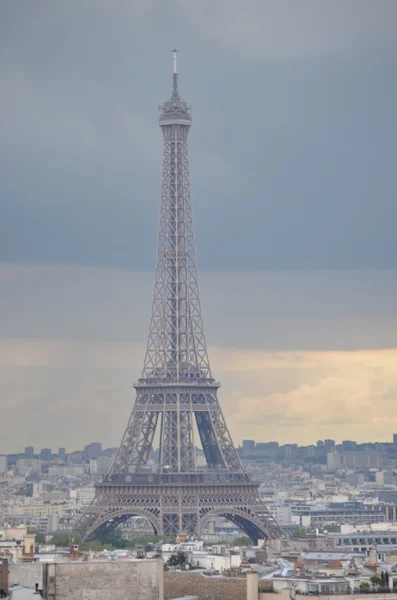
292,161
288,29
272,311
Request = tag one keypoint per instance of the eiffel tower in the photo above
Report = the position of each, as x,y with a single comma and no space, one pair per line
176,403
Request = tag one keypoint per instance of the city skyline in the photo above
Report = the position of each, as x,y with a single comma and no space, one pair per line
32,451
298,257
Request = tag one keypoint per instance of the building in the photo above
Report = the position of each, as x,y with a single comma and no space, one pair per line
45,454
18,549
348,445
354,513
218,562
13,533
390,513
365,539
282,513
29,452
333,461
47,524
28,465
384,477
355,479
101,465
360,459
3,464
82,496
65,470
248,446
312,585
138,579
41,487
92,450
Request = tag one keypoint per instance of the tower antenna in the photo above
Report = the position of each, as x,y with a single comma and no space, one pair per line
174,51
175,74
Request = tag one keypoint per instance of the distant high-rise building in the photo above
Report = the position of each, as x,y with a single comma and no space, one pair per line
329,445
248,445
320,444
29,452
62,453
75,458
92,450
333,460
45,454
395,439
348,445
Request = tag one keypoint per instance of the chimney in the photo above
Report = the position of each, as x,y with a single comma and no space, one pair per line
252,585
4,576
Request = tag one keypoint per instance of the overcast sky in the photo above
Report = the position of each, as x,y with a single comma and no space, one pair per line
293,157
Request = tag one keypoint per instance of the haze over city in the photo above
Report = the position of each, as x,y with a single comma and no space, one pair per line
292,152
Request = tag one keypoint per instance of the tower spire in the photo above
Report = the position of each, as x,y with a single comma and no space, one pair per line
175,74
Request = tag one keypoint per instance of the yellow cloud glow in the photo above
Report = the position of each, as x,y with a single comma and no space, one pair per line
73,391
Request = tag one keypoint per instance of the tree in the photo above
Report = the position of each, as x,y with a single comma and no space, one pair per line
332,528
40,537
384,576
243,540
94,545
178,559
376,580
364,586
113,537
300,532
62,539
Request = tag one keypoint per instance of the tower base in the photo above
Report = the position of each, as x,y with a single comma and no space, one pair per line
175,507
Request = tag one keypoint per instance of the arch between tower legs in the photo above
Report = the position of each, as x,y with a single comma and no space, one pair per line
112,517
245,520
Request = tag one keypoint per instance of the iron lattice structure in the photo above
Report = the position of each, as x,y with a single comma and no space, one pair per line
177,396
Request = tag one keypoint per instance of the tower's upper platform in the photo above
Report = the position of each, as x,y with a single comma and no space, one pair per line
175,111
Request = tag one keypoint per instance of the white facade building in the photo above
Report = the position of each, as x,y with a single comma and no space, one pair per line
82,496
29,465
66,471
